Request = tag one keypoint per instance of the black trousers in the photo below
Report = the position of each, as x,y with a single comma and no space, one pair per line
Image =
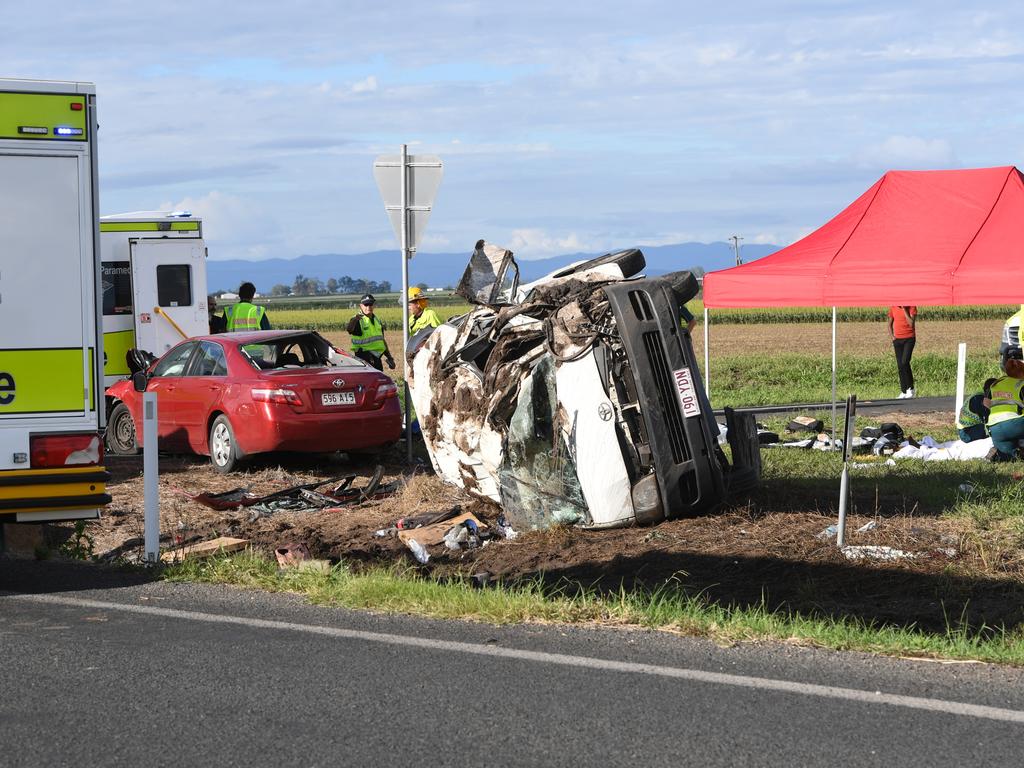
904,350
370,358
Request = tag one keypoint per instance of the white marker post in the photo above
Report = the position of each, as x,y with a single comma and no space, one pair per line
707,353
961,379
151,477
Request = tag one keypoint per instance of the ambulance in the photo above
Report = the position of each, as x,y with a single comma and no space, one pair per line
153,275
51,343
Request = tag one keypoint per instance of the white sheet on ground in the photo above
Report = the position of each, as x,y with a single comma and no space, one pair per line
954,450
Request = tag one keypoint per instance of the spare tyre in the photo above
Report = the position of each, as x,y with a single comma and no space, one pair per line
684,285
630,262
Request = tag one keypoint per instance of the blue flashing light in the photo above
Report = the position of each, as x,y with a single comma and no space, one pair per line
62,130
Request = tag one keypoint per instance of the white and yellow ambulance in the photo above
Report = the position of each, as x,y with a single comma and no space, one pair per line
154,284
51,344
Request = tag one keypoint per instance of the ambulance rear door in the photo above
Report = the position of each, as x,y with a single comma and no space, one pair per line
169,280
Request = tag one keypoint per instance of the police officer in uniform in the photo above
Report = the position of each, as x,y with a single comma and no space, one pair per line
367,333
246,316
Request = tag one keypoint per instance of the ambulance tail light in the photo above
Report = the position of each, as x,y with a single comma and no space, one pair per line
51,451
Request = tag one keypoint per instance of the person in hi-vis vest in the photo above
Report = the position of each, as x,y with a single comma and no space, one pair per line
246,316
420,316
367,331
1004,398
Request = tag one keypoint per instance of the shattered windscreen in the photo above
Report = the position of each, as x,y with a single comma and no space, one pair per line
491,277
539,487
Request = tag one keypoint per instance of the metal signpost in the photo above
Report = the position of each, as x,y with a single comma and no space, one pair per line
844,482
408,184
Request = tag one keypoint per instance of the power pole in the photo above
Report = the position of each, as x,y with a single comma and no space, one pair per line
736,248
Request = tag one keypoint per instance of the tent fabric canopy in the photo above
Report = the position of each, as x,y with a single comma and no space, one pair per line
915,237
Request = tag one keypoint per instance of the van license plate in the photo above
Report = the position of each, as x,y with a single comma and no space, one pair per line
338,398
687,393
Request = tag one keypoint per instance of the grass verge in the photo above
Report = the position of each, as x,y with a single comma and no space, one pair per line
667,608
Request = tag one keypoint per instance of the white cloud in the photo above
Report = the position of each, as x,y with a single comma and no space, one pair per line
369,85
232,227
908,153
536,243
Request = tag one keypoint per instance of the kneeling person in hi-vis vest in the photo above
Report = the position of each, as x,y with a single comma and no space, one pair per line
420,316
1005,401
367,331
246,316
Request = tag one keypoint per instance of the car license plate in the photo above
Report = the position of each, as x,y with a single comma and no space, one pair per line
687,393
338,398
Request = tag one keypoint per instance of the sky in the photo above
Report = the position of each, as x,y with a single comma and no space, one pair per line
568,127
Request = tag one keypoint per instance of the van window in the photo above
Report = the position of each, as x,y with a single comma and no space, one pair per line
174,285
117,288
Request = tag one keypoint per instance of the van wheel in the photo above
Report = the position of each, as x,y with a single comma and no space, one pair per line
223,448
121,432
629,262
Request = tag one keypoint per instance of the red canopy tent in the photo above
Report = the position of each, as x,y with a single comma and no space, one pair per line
915,237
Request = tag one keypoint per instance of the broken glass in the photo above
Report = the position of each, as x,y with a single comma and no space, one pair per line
539,486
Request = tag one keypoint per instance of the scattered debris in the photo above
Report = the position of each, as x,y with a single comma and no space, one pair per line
417,549
291,554
205,549
868,526
965,488
431,535
302,497
872,552
828,533
233,499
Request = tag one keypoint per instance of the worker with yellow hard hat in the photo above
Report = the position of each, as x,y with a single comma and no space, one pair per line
420,316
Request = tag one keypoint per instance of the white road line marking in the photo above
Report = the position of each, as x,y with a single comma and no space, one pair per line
565,660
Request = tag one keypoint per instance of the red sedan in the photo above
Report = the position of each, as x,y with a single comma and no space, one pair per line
233,395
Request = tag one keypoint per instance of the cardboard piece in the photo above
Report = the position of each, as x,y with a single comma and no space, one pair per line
205,549
429,535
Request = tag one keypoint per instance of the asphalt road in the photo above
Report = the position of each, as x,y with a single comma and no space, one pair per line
111,671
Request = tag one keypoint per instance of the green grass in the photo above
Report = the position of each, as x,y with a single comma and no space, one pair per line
668,607
801,378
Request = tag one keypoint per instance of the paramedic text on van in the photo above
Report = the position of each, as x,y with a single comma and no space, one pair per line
6,388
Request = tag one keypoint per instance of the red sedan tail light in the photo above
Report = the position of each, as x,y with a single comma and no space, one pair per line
386,390
281,396
49,451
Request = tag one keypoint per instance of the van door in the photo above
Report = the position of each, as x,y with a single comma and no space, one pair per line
169,282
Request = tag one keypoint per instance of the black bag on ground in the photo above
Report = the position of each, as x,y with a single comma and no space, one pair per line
805,424
889,429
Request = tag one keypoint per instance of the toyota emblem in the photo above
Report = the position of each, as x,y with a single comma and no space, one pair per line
604,410
339,383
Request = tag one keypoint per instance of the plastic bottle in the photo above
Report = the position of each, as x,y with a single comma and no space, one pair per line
418,550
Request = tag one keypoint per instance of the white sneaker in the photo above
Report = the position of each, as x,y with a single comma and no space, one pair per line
910,393
901,396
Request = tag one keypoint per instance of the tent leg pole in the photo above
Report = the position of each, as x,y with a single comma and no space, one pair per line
833,378
707,355
961,378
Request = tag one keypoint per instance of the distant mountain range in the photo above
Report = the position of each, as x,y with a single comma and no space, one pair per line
444,269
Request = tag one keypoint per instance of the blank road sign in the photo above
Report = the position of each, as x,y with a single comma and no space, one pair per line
423,178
